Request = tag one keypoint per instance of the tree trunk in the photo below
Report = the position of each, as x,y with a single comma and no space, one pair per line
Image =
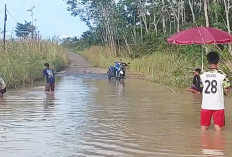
215,12
227,11
193,15
134,29
141,29
182,12
142,14
145,22
206,12
155,23
170,25
200,6
177,15
164,22
127,45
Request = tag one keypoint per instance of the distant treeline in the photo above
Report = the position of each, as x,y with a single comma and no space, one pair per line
138,27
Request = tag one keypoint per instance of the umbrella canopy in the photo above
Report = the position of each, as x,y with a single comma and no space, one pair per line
199,36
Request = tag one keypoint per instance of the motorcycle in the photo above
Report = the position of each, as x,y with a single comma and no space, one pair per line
111,72
117,71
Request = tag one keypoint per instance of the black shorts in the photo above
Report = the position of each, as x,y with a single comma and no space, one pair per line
2,91
50,86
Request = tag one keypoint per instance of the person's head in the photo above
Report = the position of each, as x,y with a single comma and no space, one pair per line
46,65
213,58
197,71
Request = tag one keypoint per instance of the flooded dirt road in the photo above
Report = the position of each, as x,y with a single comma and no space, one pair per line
91,116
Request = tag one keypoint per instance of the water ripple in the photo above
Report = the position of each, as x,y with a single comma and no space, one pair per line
88,116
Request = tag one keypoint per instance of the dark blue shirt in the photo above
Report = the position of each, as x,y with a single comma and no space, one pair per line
117,65
49,74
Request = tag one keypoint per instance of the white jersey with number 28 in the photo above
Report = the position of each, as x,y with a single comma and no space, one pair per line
213,89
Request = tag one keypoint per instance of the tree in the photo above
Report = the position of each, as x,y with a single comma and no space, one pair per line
227,5
24,30
192,11
206,13
132,24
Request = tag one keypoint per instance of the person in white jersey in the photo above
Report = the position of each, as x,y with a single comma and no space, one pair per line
215,84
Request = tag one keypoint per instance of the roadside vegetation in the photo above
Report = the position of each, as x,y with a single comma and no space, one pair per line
136,31
168,67
21,62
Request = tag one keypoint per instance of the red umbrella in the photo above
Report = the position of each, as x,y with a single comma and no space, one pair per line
200,36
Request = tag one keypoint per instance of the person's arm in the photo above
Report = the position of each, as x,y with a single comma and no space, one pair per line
194,80
226,85
125,64
45,72
54,72
201,84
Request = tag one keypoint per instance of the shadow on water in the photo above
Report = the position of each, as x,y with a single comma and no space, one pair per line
90,116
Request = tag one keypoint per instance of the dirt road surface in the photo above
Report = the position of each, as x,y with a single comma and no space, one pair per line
79,65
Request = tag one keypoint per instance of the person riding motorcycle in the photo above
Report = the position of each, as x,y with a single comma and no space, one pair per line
118,66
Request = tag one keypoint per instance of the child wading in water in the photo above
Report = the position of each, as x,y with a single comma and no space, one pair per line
215,83
50,78
2,87
196,87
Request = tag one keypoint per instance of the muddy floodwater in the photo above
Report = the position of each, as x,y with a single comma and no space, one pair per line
90,116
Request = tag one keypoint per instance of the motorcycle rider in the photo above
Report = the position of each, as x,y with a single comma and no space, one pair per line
117,67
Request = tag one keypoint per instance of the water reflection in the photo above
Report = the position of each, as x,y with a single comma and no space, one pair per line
119,86
213,143
95,117
49,99
196,98
2,100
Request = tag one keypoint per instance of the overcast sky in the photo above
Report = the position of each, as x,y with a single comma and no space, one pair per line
51,15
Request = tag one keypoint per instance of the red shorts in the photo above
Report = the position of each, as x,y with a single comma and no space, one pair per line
218,117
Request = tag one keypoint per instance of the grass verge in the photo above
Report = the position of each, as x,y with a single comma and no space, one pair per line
167,68
22,61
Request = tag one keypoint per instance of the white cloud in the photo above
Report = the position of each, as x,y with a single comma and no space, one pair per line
64,36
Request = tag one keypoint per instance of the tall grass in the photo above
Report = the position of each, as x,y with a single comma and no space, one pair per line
22,62
164,67
171,66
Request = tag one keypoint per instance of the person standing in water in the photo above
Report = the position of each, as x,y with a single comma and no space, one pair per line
50,78
215,84
2,87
